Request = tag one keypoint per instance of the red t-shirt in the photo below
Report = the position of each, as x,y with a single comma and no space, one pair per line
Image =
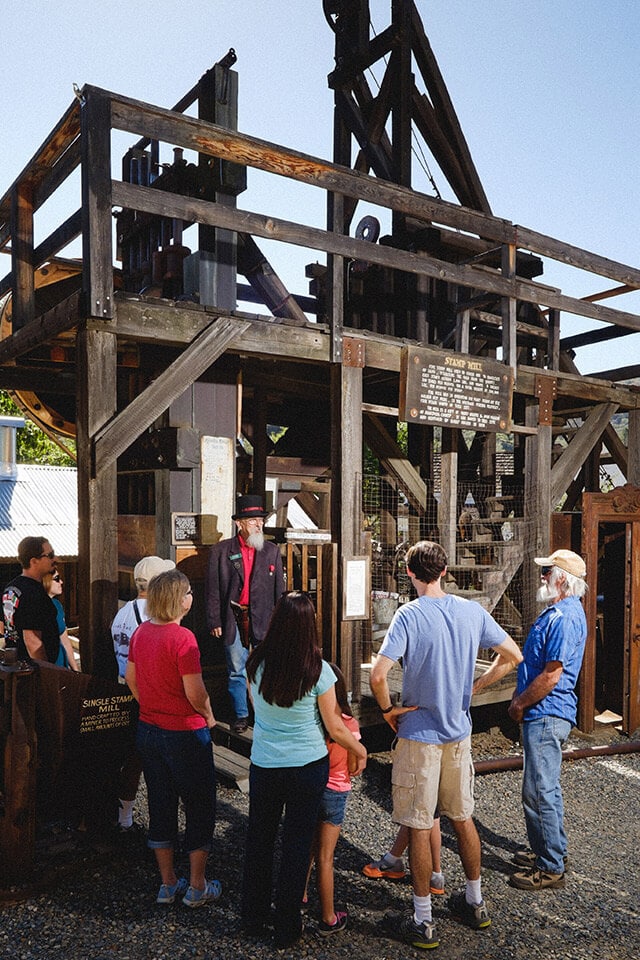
163,653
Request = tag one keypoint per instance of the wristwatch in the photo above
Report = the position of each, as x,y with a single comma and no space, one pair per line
387,709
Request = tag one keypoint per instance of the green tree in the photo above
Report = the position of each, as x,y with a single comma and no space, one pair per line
32,444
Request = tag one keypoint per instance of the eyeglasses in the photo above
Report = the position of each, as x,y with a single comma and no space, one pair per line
57,578
49,555
258,520
545,571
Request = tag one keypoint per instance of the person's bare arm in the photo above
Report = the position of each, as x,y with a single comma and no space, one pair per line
196,694
380,689
130,679
536,691
508,657
335,727
65,640
33,643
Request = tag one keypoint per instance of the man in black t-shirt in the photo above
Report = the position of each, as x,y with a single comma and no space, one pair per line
30,622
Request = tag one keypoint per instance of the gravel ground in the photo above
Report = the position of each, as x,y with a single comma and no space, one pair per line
98,901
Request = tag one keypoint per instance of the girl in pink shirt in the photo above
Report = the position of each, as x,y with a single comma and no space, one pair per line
332,810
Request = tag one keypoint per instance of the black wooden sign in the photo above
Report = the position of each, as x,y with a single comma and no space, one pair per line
454,390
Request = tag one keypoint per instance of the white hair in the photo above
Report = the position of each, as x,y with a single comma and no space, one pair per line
572,587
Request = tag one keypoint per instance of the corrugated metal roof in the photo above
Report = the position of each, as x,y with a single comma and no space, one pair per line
41,502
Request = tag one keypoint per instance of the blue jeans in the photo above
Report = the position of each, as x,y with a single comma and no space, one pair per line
542,742
178,764
236,656
298,791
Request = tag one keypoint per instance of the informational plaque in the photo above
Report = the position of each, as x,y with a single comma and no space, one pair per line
454,390
217,488
185,528
355,594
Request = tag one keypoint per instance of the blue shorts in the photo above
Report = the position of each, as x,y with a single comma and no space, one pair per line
333,806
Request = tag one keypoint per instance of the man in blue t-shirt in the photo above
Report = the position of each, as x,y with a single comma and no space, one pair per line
437,636
545,704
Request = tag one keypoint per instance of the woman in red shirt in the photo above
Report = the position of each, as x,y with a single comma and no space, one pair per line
173,739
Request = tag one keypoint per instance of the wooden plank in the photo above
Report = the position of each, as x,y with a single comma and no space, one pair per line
62,317
578,449
147,406
97,217
232,766
156,122
22,266
96,358
192,210
39,168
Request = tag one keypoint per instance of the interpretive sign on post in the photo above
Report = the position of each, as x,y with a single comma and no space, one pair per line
454,390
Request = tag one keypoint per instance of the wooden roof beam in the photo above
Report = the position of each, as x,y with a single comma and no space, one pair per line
193,210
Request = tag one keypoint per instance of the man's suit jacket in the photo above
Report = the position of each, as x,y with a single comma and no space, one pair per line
224,581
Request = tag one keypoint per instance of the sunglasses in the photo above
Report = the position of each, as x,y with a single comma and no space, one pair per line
545,571
49,555
57,578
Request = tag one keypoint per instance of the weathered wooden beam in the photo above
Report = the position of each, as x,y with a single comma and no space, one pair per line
97,216
428,66
58,380
580,446
22,266
176,325
39,168
192,210
116,436
578,386
64,316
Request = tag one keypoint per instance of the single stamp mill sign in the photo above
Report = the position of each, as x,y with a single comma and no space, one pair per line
454,390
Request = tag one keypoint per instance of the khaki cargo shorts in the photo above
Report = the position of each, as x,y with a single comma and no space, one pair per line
429,775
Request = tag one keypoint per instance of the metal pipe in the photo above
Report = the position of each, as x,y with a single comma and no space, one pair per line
515,763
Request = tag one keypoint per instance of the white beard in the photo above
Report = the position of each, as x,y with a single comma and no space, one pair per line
256,540
546,594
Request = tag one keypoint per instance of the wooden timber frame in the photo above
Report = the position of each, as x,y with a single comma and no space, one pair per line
99,320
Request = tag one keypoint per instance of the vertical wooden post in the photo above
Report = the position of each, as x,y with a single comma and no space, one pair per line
96,379
537,502
346,488
23,306
448,506
633,449
509,350
554,339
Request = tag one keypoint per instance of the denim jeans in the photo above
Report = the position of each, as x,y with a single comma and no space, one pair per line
298,791
236,656
542,742
178,765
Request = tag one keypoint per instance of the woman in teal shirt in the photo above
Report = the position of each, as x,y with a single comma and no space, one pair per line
293,693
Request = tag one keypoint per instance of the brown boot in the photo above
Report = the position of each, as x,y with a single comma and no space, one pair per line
535,879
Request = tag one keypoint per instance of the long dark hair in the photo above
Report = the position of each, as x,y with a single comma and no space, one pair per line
341,691
290,655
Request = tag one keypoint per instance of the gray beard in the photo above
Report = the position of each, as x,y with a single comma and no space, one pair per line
256,540
545,594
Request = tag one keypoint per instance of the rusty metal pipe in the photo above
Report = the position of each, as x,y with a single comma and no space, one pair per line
515,763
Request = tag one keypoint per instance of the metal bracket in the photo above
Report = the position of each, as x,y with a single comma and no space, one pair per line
353,352
546,389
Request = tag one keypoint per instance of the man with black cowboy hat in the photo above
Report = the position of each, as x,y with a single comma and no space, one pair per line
244,581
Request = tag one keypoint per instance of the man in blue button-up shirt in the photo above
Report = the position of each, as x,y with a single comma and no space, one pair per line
545,704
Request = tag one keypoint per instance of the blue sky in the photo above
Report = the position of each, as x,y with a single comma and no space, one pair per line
546,91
